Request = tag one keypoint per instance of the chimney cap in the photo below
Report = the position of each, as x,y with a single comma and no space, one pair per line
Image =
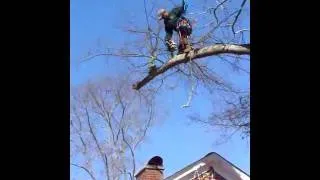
156,161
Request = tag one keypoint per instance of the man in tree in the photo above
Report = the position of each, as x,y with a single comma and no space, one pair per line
175,21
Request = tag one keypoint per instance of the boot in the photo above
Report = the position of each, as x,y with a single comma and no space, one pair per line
188,48
171,45
180,49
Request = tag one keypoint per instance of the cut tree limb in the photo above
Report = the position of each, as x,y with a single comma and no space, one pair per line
240,49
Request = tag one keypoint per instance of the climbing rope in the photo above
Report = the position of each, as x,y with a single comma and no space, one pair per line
192,86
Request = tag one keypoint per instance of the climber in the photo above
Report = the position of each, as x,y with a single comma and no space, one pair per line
175,21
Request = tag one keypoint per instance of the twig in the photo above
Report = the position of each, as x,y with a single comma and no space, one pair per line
214,12
84,168
237,16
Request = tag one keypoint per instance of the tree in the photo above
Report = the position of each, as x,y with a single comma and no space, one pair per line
235,117
220,36
108,122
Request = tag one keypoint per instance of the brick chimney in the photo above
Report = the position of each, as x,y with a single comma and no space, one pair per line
152,171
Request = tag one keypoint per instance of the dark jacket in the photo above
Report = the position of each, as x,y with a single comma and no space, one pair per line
171,21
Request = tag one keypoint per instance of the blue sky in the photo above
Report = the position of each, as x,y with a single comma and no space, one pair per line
178,142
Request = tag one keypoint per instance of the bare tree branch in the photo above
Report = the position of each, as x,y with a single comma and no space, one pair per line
131,152
145,128
216,8
237,16
208,34
78,131
195,54
84,168
131,55
103,155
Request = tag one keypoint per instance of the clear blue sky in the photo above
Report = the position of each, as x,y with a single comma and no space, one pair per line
176,141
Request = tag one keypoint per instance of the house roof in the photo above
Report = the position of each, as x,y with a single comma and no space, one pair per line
220,165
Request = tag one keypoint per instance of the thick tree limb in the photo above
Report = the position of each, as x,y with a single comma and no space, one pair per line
243,49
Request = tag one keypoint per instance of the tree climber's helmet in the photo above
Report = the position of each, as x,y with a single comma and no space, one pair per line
161,13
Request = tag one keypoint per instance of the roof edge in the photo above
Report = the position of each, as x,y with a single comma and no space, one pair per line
207,155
